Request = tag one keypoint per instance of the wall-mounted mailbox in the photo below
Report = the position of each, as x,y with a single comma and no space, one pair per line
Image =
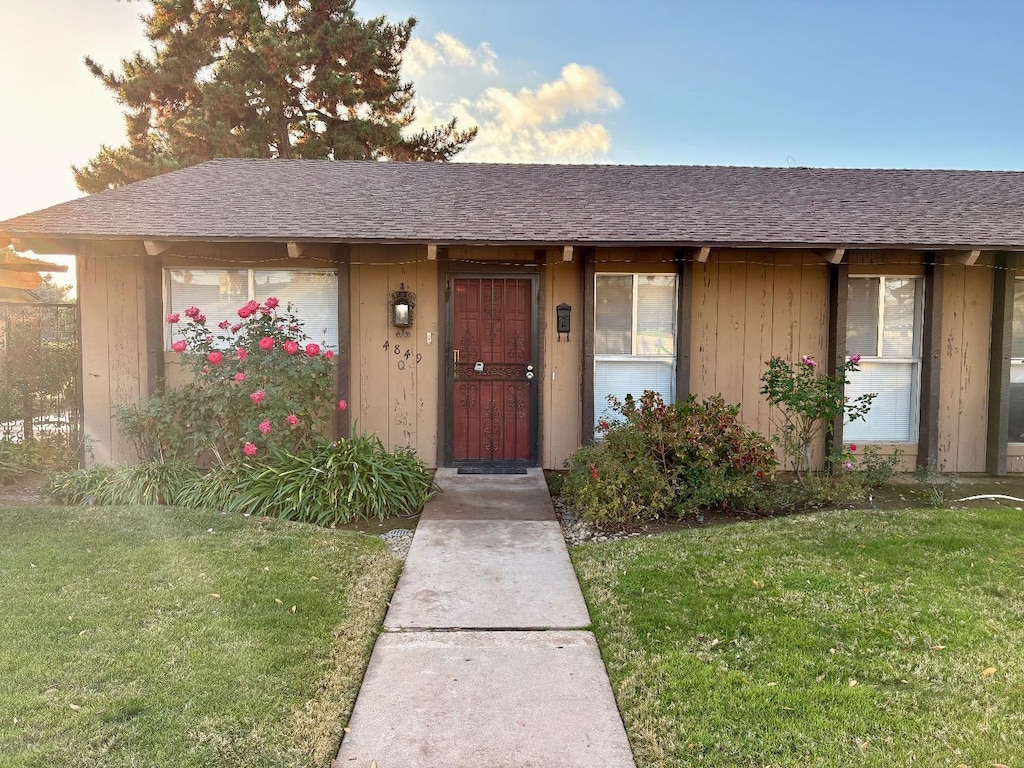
562,323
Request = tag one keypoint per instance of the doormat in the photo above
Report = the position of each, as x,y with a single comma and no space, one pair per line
491,471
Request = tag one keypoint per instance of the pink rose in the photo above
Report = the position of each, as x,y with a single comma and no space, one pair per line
312,350
239,377
201,319
272,302
192,312
173,317
329,354
343,405
179,346
854,359
848,465
266,343
236,327
292,419
244,312
291,347
215,358
223,325
265,426
249,449
242,354
258,396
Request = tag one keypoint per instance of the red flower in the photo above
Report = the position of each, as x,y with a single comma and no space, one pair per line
853,447
179,346
242,353
604,426
312,350
173,317
249,449
272,302
292,419
223,325
854,359
200,319
215,358
192,312
343,405
239,377
258,396
265,426
593,471
266,343
329,354
291,347
236,327
244,313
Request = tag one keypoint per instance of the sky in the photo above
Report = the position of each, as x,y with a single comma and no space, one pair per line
832,83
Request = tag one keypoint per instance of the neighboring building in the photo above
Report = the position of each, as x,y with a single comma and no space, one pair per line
680,279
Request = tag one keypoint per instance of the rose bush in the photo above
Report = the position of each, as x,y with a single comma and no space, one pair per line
250,390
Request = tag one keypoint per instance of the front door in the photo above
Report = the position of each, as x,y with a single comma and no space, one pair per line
494,373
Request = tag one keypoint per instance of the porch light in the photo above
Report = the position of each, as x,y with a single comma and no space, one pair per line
403,302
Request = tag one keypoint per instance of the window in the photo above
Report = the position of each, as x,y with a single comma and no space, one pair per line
219,293
884,317
1016,433
634,338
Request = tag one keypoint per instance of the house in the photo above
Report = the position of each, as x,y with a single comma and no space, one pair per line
538,290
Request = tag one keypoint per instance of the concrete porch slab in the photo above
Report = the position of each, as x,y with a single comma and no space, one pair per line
471,699
489,497
487,574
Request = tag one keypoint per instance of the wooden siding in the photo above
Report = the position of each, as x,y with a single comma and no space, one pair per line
561,429
115,356
964,364
393,395
749,306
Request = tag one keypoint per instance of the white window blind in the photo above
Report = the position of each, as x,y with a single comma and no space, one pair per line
634,338
219,293
884,318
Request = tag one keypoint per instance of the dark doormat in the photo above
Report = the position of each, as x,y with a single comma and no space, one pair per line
491,470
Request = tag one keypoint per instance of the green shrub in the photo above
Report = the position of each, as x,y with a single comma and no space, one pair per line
667,460
330,484
146,484
875,469
19,458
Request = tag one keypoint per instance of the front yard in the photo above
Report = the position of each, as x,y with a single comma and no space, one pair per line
851,638
160,636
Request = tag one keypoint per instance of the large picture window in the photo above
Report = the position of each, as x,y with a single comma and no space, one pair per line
1016,432
634,338
884,319
313,295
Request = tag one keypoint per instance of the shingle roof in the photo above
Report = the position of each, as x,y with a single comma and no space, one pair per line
310,200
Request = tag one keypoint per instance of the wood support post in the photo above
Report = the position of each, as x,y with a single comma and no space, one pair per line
931,352
838,299
587,380
1005,272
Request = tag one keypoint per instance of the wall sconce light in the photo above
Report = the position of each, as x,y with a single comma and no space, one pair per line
402,304
562,314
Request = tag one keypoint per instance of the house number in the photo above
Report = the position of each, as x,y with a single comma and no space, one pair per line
402,354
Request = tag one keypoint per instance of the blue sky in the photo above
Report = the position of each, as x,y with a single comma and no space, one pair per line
903,83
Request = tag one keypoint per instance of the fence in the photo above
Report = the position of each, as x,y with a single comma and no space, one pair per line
40,391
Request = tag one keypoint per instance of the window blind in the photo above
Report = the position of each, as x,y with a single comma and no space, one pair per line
630,377
862,317
613,312
891,416
313,297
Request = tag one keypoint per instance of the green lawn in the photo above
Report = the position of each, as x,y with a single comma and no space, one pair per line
159,636
833,639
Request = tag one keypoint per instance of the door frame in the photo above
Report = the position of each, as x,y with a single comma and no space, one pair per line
448,273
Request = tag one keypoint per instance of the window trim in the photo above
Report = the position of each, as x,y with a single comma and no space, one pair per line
914,424
633,356
1017,362
251,271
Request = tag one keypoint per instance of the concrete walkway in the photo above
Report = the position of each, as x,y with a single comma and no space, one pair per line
485,660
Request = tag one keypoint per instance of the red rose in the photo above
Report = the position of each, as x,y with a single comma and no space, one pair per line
242,354
179,346
292,419
265,426
329,354
266,343
173,317
249,449
343,405
291,347
258,396
239,377
215,358
312,350
272,302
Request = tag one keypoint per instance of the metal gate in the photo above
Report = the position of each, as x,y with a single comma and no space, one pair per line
40,390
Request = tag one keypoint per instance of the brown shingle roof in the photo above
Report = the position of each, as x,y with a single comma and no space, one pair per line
308,200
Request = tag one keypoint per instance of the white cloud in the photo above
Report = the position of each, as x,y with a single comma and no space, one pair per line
447,51
541,125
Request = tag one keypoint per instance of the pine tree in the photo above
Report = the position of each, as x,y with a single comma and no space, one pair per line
263,78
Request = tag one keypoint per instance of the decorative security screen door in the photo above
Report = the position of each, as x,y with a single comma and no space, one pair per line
494,371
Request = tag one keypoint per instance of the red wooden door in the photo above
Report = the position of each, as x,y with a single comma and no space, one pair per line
494,370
